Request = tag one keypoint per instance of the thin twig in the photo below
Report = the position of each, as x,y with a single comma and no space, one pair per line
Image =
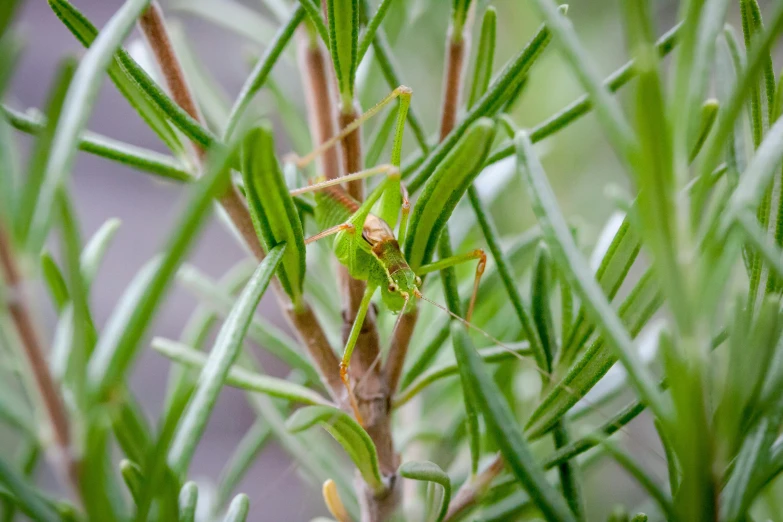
399,349
53,404
312,65
152,25
452,85
472,490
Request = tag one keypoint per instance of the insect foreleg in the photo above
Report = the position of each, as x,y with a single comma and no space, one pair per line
330,232
402,92
380,169
456,260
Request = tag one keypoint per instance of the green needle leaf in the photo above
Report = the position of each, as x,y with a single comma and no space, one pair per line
243,457
757,176
436,373
119,341
572,264
372,28
485,56
444,189
343,21
269,337
26,495
502,425
225,351
641,476
55,282
709,112
581,106
492,101
136,85
36,171
232,15
273,211
607,108
429,472
239,377
77,108
261,71
96,248
238,509
188,502
131,474
345,430
136,157
86,33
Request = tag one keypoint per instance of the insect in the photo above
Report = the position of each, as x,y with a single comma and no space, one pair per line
364,239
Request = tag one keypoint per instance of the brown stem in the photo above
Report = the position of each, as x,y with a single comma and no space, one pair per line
399,349
312,335
152,25
452,85
471,491
352,153
312,65
47,389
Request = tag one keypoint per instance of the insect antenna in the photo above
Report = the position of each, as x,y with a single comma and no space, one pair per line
548,376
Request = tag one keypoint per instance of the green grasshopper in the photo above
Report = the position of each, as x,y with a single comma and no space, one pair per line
364,241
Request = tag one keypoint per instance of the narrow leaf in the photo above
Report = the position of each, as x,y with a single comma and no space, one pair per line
607,108
96,248
583,105
345,430
709,112
273,211
86,33
119,341
239,377
244,456
233,16
641,476
55,282
343,18
436,373
444,189
268,336
26,495
372,28
77,109
757,176
429,472
131,474
507,277
485,56
572,264
138,158
223,354
238,509
261,71
188,502
32,186
502,425
500,90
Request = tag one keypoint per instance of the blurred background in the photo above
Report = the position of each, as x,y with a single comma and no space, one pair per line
218,51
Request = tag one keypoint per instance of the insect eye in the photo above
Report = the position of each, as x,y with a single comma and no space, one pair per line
392,287
418,281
